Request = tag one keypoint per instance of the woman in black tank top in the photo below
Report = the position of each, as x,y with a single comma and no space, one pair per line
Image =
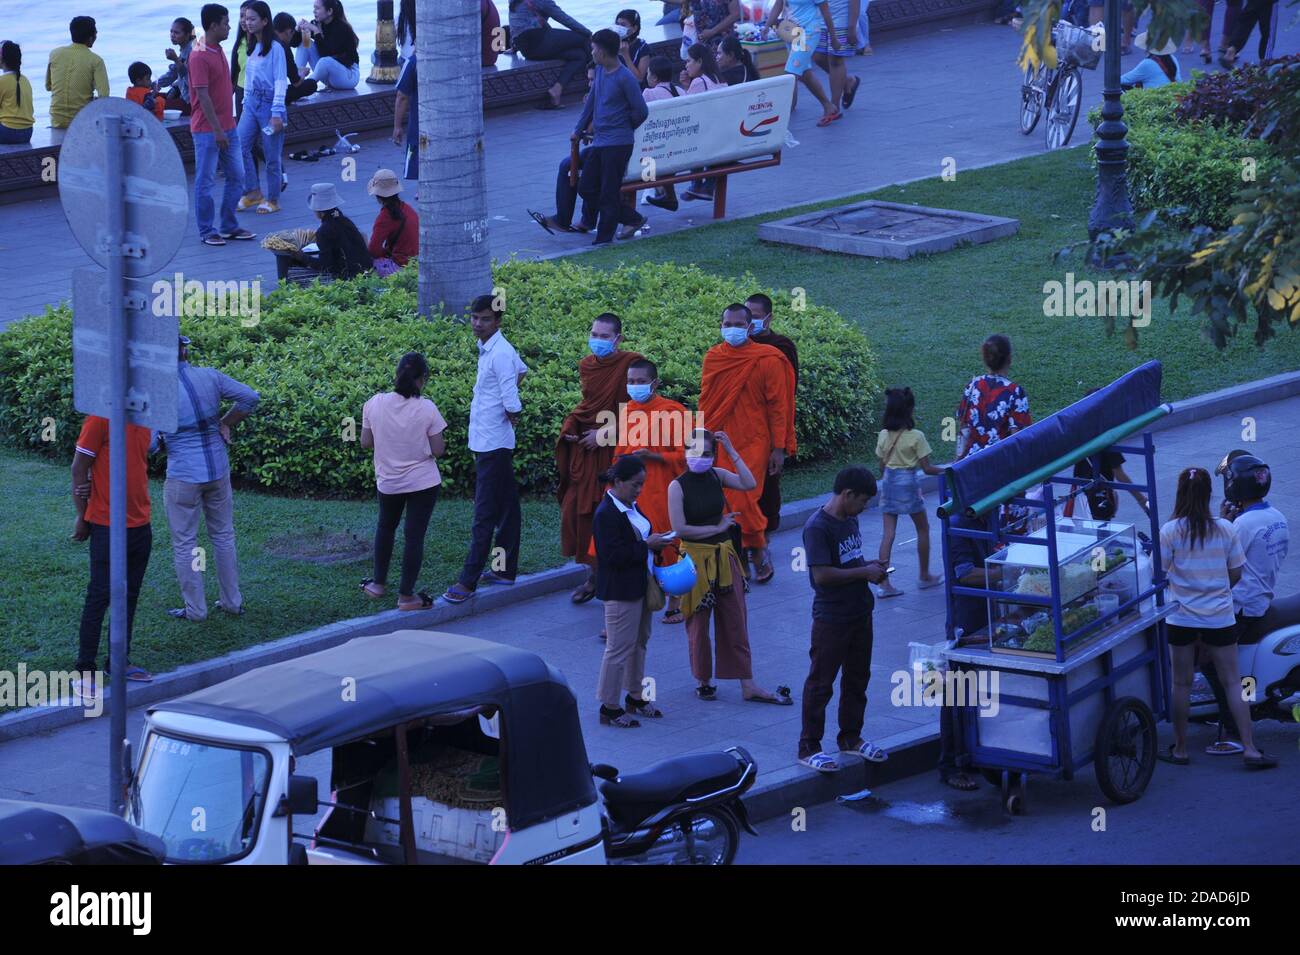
697,507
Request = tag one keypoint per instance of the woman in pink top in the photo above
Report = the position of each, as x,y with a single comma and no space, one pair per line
699,76
406,432
661,86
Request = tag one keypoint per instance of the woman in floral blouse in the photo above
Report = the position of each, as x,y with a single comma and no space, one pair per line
992,406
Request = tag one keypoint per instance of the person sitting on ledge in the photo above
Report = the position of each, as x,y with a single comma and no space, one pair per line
175,83
17,116
329,47
536,39
286,31
75,75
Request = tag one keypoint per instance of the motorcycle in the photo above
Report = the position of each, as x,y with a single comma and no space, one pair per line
1269,668
683,811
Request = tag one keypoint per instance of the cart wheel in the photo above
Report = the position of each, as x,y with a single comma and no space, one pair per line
1013,791
1125,753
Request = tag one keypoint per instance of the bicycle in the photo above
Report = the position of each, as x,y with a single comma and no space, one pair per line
1059,89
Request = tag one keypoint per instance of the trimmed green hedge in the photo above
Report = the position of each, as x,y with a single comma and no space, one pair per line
1193,165
318,353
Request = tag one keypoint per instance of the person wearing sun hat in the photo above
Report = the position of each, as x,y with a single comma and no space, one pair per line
341,248
395,236
1160,68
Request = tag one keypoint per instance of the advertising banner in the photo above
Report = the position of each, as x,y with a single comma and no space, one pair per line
720,126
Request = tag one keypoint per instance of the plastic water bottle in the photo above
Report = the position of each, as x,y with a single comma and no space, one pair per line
268,129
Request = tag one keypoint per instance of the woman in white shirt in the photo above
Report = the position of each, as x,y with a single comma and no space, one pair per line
405,430
1203,560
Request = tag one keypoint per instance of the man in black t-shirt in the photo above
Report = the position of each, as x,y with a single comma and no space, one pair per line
841,629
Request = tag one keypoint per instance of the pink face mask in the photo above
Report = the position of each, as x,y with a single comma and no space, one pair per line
699,465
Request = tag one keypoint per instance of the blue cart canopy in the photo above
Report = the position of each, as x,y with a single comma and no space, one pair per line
411,675
981,474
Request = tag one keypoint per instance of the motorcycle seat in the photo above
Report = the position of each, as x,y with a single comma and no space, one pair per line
1281,613
634,796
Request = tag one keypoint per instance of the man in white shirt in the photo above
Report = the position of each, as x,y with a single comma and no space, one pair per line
493,413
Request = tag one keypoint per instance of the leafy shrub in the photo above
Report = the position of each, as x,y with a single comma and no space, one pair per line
1194,169
1241,98
318,353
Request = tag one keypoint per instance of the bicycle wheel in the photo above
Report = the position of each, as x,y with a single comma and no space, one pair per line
1032,87
1063,110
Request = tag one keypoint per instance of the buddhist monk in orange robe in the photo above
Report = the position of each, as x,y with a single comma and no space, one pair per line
747,390
760,330
587,439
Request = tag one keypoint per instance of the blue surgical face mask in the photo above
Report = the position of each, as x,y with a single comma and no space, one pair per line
757,325
735,337
639,393
600,347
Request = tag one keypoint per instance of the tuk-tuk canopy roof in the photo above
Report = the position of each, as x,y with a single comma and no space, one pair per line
33,833
372,684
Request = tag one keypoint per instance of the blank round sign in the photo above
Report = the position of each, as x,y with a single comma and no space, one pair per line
153,176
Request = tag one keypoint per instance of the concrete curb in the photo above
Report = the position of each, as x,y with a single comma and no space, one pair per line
1226,400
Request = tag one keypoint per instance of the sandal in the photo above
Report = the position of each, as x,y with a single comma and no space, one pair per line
304,155
619,718
1167,756
421,601
1224,747
821,762
759,576
642,707
782,698
673,616
583,594
372,593
866,751
540,220
707,692
960,781
456,594
829,118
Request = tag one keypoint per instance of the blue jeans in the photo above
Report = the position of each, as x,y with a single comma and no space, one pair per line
14,137
256,115
206,157
326,70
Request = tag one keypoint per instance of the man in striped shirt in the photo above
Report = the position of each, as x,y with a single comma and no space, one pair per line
198,483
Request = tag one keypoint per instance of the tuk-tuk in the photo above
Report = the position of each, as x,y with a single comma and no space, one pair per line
444,750
33,833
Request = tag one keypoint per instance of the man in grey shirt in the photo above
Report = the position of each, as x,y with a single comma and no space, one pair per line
198,483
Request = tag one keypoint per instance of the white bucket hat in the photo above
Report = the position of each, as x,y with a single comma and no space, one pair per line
384,183
323,196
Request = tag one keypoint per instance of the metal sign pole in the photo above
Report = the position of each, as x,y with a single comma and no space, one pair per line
117,359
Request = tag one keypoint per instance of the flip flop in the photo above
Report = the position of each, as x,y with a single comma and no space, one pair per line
782,698
583,594
868,752
849,94
1224,747
1262,761
673,616
492,578
1167,756
456,594
304,155
828,118
541,221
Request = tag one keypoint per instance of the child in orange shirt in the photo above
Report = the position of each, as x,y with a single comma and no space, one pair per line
141,89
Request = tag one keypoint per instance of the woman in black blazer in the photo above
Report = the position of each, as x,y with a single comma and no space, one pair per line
624,540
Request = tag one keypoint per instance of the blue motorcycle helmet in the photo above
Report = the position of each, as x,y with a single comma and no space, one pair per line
677,579
1246,478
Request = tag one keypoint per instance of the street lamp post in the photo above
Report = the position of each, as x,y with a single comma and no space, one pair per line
385,59
1111,208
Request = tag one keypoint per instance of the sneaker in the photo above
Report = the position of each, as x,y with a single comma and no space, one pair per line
239,234
86,689
663,202
266,206
888,590
248,201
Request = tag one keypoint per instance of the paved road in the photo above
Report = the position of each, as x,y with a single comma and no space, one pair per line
69,766
953,92
1212,812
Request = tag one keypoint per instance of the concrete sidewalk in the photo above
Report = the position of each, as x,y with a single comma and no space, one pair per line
70,765
951,93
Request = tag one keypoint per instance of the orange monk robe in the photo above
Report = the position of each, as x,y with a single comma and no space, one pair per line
663,426
604,388
748,392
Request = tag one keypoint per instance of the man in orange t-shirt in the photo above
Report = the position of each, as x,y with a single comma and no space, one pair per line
747,390
90,469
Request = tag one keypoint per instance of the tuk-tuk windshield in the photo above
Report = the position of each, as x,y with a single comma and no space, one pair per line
203,800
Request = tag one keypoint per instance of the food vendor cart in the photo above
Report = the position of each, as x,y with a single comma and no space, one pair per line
1071,636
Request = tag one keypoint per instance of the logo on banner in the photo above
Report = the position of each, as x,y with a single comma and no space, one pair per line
757,129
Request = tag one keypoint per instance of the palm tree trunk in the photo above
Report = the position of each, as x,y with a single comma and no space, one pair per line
454,260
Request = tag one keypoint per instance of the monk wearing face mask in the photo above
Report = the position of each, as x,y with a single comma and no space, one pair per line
747,390
585,448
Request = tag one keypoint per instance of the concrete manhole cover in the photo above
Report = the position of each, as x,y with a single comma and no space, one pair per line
887,230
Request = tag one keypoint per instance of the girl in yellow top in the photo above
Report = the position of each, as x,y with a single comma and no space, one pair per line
901,450
17,116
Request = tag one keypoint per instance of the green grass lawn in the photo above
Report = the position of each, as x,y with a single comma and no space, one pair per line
924,317
46,573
